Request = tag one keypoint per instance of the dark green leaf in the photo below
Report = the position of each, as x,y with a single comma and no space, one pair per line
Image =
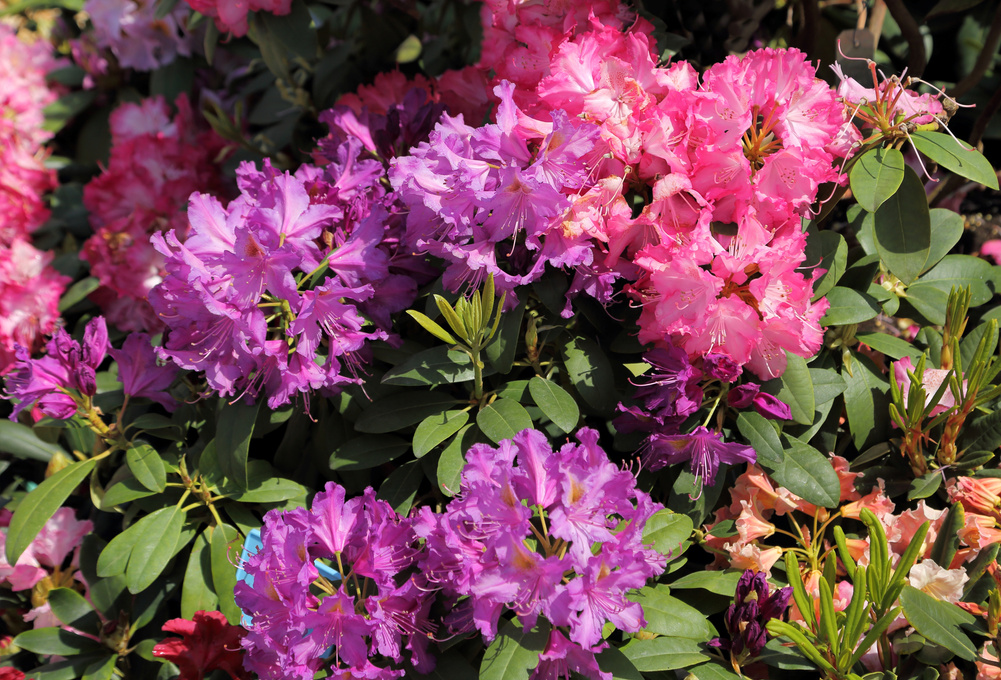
123,492
38,506
865,397
401,410
664,653
55,641
500,353
502,419
938,621
197,593
925,486
435,366
808,474
849,306
947,541
72,609
436,428
115,556
876,176
400,488
827,384
828,251
763,438
513,654
797,389
67,107
719,582
982,433
963,160
265,485
70,669
902,227
225,547
613,661
21,441
555,402
666,615
453,459
946,230
930,294
146,465
232,441
668,532
591,373
158,534
714,671
368,451
893,347
101,670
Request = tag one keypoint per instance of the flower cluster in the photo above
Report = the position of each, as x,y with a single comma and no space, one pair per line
157,161
137,37
64,380
208,642
231,15
29,288
377,609
753,606
533,530
589,128
42,566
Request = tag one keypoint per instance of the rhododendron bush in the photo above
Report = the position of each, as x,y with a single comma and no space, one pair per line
499,340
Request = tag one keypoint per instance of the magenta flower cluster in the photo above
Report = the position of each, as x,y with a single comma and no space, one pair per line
533,531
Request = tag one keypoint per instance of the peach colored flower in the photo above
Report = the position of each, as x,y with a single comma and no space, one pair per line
751,556
903,527
846,479
943,584
875,501
980,495
751,525
987,671
979,531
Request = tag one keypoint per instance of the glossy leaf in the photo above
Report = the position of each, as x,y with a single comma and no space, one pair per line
876,176
667,615
591,373
925,486
225,548
146,465
938,621
158,533
963,160
513,654
664,653
808,474
435,366
828,251
452,460
797,389
849,306
232,441
72,609
668,532
763,438
55,641
555,402
400,410
436,428
368,451
197,592
719,582
400,487
865,396
38,506
502,419
902,228
946,230
21,441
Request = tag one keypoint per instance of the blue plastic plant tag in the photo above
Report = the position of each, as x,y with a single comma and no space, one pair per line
251,545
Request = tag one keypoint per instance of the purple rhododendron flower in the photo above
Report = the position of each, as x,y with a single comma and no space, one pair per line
140,374
753,607
704,451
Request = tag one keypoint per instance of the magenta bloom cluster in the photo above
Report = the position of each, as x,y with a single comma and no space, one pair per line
534,531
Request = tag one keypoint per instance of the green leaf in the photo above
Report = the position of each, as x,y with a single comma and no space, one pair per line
827,384
502,419
232,441
664,653
714,671
763,438
38,506
893,347
930,294
938,621
797,389
947,542
55,641
225,546
826,250
115,556
613,661
77,292
982,433
963,160
719,582
146,465
668,532
21,441
667,615
72,609
591,373
277,36
265,485
69,669
849,306
436,428
103,669
158,534
946,230
368,451
513,654
123,492
197,593
555,402
808,474
925,486
865,397
400,410
409,50
501,352
876,176
453,459
400,488
435,366
902,228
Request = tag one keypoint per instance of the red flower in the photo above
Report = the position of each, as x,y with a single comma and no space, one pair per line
207,642
8,673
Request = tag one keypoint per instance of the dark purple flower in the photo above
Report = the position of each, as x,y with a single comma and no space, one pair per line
753,607
766,404
704,451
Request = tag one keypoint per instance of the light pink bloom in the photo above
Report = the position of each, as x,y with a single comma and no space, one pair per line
942,584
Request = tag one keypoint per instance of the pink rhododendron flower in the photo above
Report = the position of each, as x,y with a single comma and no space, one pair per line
29,299
931,381
60,536
231,15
